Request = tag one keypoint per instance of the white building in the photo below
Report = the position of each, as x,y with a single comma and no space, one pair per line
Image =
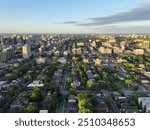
36,83
71,98
3,84
62,60
43,111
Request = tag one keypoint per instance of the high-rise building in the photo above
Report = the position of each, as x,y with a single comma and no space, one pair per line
3,56
6,54
1,41
26,50
1,47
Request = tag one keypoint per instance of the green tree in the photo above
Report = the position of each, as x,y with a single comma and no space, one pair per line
69,81
90,84
35,94
31,108
82,95
72,91
107,100
135,88
93,99
128,82
113,87
97,77
85,110
85,106
104,75
83,82
102,84
55,103
46,79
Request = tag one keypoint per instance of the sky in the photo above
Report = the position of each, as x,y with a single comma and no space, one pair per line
75,16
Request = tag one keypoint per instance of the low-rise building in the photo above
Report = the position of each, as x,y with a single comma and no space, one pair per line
76,51
93,44
122,99
57,53
90,75
116,95
145,103
120,60
65,53
80,44
36,83
103,50
117,50
2,84
101,106
97,61
148,51
43,111
85,60
128,52
144,44
123,43
106,44
72,104
146,73
1,98
62,60
40,60
127,108
138,51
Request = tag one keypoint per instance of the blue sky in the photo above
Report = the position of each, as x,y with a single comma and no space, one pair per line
75,16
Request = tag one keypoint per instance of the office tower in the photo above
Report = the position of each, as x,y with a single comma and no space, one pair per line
26,50
6,54
2,56
1,48
2,41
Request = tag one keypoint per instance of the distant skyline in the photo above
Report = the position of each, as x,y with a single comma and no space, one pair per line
75,16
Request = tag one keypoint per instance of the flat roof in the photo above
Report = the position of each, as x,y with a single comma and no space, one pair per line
2,82
43,111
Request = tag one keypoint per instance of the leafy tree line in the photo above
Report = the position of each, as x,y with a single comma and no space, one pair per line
86,102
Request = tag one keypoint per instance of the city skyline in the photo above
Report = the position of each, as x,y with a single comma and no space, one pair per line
68,16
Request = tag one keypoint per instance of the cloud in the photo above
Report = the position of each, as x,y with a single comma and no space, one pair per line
71,22
120,29
141,13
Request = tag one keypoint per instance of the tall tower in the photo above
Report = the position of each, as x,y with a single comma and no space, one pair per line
1,41
26,50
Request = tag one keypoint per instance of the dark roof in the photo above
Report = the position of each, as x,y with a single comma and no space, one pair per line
101,108
90,74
